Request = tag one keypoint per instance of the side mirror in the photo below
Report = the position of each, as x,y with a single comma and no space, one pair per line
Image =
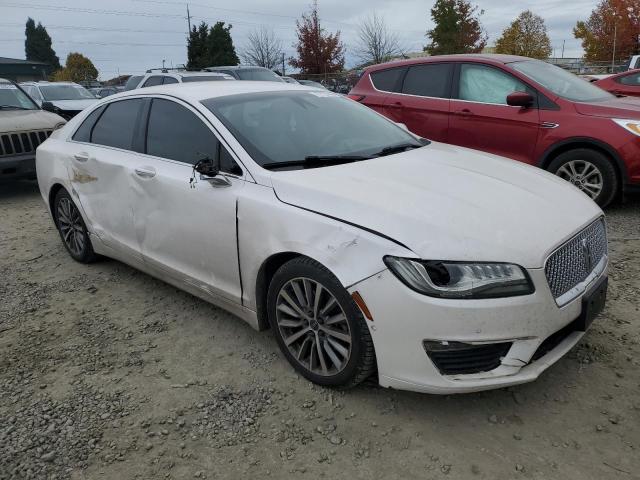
206,167
49,107
520,99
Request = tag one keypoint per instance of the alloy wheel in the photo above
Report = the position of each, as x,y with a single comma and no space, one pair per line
313,326
71,226
584,175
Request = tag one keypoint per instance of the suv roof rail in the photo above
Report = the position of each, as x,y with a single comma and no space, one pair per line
167,69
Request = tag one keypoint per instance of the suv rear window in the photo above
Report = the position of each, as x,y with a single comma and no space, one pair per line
388,80
430,80
203,78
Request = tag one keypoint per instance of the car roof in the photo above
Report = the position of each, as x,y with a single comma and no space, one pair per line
490,58
237,67
198,91
622,74
44,82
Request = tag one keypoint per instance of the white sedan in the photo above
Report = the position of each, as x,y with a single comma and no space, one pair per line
365,249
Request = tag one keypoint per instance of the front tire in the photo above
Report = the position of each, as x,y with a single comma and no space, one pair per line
590,171
72,228
318,326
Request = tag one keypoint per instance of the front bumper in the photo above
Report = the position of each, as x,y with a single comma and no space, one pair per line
404,319
18,166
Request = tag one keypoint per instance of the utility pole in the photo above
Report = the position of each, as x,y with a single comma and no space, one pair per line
613,57
188,18
283,72
563,48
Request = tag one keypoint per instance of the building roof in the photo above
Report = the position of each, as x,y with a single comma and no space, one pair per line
18,61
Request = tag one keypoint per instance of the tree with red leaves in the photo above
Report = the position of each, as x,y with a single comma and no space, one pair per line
318,52
619,17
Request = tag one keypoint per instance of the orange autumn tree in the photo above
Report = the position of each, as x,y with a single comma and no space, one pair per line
621,16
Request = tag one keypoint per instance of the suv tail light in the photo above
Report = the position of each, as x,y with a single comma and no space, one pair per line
357,98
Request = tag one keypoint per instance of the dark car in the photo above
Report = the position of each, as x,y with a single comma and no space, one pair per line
517,107
240,72
625,83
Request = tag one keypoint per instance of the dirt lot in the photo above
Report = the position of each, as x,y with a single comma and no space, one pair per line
107,373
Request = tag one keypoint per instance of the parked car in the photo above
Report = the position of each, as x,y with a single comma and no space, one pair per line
66,99
241,72
311,83
524,109
626,83
360,245
132,82
23,127
101,92
154,78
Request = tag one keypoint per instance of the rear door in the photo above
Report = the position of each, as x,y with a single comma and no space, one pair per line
383,83
187,230
101,166
422,103
481,118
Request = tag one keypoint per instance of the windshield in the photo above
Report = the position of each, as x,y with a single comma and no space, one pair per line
204,78
559,81
132,82
11,97
261,74
290,126
65,92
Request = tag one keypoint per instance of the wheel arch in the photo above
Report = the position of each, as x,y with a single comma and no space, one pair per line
591,143
53,191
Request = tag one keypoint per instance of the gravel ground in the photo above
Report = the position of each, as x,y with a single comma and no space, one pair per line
108,373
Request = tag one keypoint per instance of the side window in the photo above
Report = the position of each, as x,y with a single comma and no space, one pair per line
153,81
176,133
631,80
433,80
479,83
117,125
169,80
387,80
83,133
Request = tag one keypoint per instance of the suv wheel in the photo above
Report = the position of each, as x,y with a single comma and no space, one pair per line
590,171
318,326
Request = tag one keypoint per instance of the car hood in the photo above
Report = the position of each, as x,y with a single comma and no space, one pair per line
23,120
447,203
74,105
623,107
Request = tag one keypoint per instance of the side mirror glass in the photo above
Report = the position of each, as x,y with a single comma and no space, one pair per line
206,168
520,99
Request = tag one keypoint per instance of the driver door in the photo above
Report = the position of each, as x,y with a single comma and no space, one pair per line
481,119
187,230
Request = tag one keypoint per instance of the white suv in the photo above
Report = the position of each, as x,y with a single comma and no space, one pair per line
165,77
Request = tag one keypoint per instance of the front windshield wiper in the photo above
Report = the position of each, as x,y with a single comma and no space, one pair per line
14,107
313,161
398,148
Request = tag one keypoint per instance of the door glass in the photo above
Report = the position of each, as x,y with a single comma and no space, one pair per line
153,81
116,126
482,84
387,80
169,80
428,80
83,134
631,80
178,134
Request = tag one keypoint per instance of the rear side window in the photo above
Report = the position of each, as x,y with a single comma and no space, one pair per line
132,82
83,134
632,80
153,81
387,80
431,80
169,80
117,125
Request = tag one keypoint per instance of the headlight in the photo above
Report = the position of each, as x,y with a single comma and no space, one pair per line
632,126
460,279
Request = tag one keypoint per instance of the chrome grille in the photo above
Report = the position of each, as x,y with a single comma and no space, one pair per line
19,143
572,263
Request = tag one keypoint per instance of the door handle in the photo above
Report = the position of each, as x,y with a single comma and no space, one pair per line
465,112
145,172
81,157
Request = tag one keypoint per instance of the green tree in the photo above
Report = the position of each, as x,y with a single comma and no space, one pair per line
210,47
37,44
457,28
77,69
527,36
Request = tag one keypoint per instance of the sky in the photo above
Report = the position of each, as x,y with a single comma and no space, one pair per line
129,36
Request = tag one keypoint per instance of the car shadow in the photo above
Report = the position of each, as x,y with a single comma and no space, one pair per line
18,189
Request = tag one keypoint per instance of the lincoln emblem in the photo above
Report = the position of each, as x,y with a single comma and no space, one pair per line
586,252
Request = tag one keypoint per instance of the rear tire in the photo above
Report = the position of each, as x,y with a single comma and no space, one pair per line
590,171
318,326
72,228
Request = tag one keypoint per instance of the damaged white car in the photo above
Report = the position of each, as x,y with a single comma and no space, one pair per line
365,250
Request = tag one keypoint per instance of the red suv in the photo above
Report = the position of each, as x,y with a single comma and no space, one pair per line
520,108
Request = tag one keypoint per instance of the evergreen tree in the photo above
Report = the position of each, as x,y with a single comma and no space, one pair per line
210,47
457,28
37,45
197,47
